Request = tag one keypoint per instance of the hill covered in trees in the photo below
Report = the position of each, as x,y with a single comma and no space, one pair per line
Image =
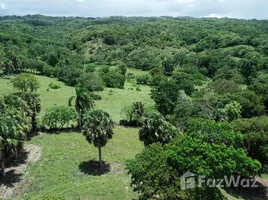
208,79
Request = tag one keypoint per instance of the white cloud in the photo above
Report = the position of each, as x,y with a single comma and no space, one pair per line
214,15
3,6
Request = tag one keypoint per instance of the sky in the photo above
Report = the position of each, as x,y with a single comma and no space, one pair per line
247,9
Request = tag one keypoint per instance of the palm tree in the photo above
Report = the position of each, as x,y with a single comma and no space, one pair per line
156,129
13,126
33,102
98,129
83,102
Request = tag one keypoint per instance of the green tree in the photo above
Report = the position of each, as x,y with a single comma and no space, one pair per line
255,131
165,96
251,103
25,83
83,103
184,82
98,129
248,69
155,129
34,104
167,67
91,81
13,126
58,117
156,171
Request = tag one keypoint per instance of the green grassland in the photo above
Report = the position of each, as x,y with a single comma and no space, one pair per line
49,97
58,171
113,100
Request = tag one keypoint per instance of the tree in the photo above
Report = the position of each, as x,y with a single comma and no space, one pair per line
25,83
233,111
156,129
215,132
58,117
34,104
113,79
98,129
133,114
165,96
223,86
255,131
13,126
156,171
248,69
83,103
92,82
251,104
167,67
152,175
184,82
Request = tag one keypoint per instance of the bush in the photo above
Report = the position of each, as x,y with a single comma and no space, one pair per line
92,81
130,76
58,117
54,85
112,78
138,89
96,97
142,79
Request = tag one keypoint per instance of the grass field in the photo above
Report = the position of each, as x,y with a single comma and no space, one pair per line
59,169
113,100
49,98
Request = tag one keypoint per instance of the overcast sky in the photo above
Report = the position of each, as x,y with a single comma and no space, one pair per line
101,8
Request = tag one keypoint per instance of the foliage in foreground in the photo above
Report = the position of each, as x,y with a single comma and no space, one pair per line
215,154
14,124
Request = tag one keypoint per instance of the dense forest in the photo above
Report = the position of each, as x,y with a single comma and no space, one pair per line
208,79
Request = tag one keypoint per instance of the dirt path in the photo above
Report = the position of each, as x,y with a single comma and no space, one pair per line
14,183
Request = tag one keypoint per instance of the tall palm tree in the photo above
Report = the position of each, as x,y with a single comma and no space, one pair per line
98,129
83,102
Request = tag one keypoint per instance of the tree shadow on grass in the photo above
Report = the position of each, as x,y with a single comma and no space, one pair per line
93,168
21,159
12,175
258,193
10,178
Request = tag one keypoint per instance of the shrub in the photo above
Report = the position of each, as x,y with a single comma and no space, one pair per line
95,96
54,85
138,89
58,117
112,78
142,79
130,76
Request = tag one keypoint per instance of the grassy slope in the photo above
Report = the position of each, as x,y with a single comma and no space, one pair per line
112,102
58,172
49,98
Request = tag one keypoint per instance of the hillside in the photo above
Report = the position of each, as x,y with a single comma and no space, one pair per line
151,97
